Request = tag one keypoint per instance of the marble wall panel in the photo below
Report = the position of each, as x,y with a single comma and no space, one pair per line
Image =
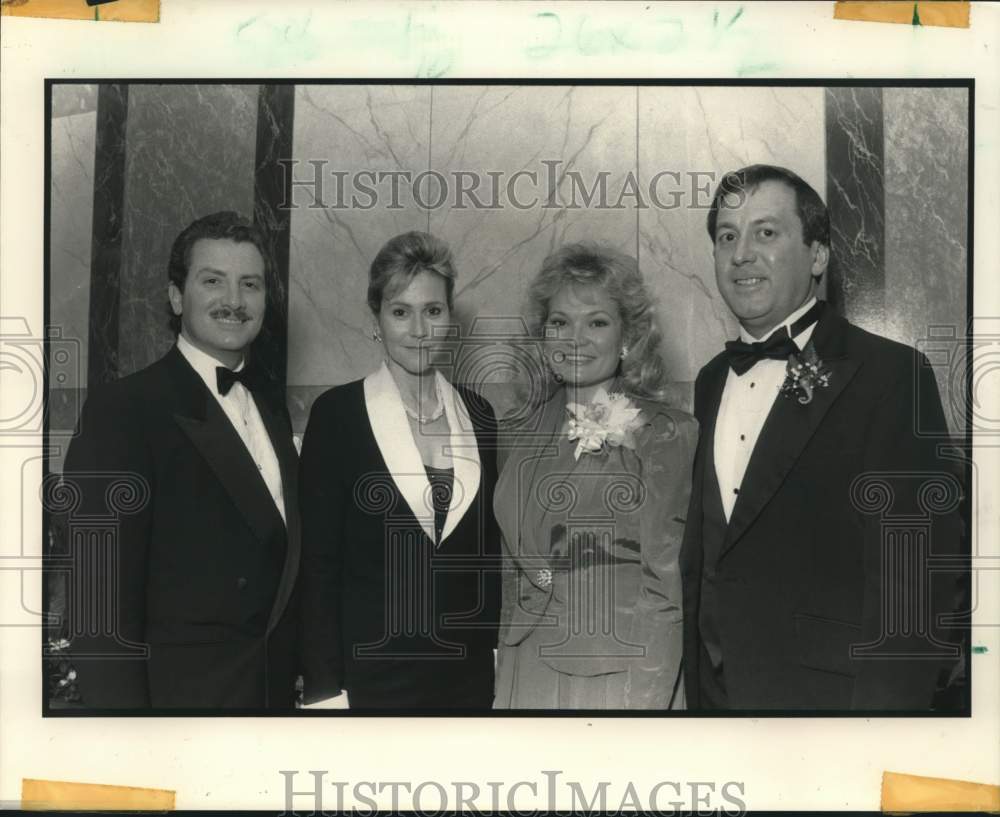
926,219
506,129
694,136
353,130
190,152
74,137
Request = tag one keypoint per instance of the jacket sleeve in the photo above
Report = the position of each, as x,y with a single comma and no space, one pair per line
906,644
108,476
321,503
655,680
485,422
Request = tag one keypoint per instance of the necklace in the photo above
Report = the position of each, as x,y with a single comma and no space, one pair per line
428,419
436,414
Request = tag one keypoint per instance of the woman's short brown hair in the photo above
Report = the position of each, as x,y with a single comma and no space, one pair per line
403,258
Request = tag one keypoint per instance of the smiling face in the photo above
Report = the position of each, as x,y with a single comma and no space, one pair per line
587,326
407,319
224,298
764,269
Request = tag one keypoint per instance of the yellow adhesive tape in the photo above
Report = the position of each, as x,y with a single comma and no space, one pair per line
121,11
953,15
56,795
907,792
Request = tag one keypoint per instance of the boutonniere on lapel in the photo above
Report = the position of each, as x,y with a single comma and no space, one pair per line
609,421
805,373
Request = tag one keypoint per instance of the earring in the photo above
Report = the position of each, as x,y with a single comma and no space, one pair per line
624,352
376,336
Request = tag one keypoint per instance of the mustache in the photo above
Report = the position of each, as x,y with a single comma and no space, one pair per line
228,313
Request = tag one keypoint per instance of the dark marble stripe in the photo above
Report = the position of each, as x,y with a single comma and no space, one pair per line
64,408
855,187
190,153
275,122
106,257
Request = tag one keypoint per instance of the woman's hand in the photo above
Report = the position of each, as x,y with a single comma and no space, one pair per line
336,702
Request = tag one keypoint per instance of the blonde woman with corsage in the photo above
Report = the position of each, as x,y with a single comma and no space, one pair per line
591,501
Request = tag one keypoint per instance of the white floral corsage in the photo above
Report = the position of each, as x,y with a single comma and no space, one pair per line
610,420
805,373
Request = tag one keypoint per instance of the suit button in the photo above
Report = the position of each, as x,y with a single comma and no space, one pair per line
241,583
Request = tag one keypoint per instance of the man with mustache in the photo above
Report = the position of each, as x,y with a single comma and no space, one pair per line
815,501
199,577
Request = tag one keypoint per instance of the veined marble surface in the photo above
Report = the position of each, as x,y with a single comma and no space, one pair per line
694,136
72,209
562,140
190,151
926,220
352,128
855,173
506,129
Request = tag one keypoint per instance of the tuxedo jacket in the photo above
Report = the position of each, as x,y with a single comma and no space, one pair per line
377,589
818,589
200,579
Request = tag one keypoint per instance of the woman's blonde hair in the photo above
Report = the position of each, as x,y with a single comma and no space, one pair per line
588,264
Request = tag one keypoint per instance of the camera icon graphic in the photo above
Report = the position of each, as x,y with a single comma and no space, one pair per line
967,367
503,361
23,365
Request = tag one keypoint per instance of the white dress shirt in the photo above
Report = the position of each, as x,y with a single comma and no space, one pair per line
242,412
746,402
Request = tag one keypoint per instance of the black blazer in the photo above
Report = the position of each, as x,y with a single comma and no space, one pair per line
364,547
205,567
800,571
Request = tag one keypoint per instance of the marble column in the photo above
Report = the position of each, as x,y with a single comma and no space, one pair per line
272,189
71,218
855,198
190,152
926,226
110,176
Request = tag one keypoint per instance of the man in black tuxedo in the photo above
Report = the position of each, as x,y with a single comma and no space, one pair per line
815,502
196,585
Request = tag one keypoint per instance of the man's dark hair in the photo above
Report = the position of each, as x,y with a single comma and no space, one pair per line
737,184
227,225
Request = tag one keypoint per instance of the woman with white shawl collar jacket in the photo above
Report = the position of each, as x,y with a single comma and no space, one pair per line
401,585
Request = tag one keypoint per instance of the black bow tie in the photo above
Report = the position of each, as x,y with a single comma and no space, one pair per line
224,379
779,346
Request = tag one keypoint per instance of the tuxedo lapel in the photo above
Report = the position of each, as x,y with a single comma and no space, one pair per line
211,433
395,442
284,449
788,428
709,414
707,400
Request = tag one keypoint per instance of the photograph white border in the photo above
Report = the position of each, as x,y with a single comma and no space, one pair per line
234,763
